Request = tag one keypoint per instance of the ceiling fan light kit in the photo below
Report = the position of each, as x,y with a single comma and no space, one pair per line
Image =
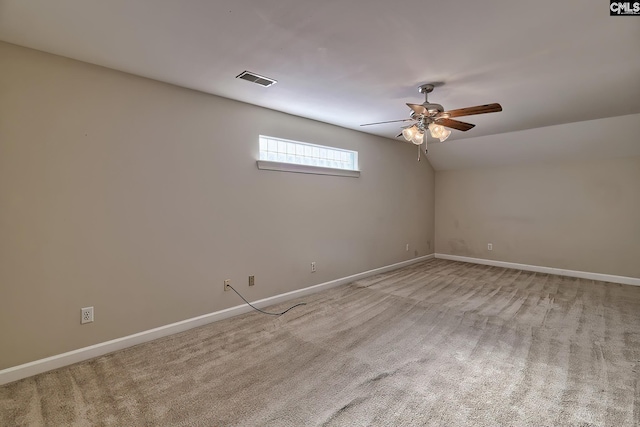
433,117
439,131
418,138
413,134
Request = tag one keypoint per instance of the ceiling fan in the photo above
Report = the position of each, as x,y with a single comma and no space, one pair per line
433,117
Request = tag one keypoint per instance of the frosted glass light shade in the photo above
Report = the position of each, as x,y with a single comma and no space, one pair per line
439,131
418,138
445,135
409,132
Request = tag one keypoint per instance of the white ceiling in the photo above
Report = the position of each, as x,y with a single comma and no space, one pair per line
345,62
594,139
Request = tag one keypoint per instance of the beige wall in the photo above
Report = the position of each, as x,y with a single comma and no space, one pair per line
579,216
139,198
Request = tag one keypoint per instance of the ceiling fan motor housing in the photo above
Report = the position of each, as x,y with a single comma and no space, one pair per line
433,108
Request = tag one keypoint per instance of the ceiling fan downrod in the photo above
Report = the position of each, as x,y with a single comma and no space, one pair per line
426,88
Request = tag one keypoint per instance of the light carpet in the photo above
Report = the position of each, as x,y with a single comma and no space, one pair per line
438,343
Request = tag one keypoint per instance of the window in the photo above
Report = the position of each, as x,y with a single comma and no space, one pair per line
293,156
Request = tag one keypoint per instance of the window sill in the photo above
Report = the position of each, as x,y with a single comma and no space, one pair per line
314,170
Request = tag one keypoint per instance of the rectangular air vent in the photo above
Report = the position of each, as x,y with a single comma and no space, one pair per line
256,78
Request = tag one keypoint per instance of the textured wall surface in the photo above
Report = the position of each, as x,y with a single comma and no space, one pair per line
578,216
139,198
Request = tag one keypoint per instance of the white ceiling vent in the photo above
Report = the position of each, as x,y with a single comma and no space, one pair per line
256,78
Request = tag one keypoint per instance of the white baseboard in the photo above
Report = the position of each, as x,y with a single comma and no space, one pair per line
19,372
549,270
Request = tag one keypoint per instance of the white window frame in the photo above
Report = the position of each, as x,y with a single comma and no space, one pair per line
299,167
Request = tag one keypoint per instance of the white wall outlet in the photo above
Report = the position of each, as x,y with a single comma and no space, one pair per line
313,267
407,248
227,282
86,315
490,246
252,280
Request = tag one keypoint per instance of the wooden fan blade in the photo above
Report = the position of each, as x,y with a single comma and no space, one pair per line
470,111
390,121
455,124
419,109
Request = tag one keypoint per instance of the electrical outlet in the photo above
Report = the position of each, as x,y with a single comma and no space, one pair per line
252,280
313,267
407,248
490,246
86,315
227,282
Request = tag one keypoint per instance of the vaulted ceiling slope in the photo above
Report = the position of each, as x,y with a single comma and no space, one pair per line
547,62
